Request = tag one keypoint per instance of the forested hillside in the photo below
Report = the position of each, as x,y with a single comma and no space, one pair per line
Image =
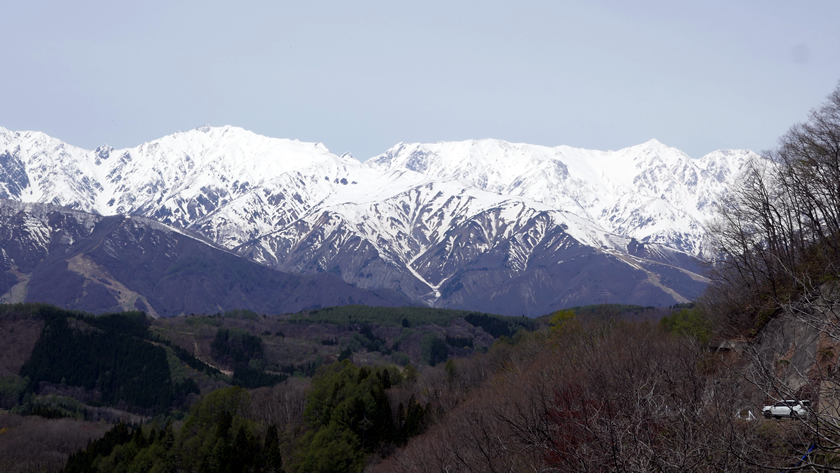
128,368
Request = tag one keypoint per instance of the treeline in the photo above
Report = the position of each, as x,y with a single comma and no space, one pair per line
236,346
118,360
411,317
592,394
499,326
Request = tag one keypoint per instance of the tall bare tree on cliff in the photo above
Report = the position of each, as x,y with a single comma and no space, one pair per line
778,281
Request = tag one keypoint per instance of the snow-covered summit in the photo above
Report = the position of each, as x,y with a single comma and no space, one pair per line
206,163
414,219
651,191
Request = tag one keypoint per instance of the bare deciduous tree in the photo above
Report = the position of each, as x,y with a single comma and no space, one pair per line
777,285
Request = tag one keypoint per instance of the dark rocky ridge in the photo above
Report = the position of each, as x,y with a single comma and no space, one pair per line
88,262
552,270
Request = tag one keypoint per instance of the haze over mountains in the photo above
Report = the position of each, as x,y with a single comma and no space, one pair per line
481,225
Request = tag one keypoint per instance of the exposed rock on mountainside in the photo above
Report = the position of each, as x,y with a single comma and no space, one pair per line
88,262
476,224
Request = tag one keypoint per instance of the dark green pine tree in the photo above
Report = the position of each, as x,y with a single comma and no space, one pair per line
138,438
242,454
272,459
415,418
401,437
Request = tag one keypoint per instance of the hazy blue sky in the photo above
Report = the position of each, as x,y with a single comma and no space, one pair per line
361,76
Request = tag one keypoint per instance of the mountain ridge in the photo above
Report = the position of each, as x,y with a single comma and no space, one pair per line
83,261
414,219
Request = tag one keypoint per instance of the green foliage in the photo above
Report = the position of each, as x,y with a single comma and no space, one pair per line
189,358
365,338
606,309
243,314
82,462
12,389
345,354
390,316
216,437
349,415
271,449
433,349
219,403
399,358
129,324
460,342
684,305
252,378
184,387
563,321
500,326
51,407
236,346
333,448
37,310
451,371
177,371
688,322
411,420
410,372
109,353
97,354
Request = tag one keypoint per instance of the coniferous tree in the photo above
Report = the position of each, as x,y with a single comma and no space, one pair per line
273,461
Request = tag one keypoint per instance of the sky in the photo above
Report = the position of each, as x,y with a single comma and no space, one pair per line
363,76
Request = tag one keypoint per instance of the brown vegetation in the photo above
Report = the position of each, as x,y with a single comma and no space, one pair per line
18,334
35,444
779,233
777,285
601,397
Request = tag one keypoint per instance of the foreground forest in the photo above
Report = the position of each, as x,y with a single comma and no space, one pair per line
327,390
584,389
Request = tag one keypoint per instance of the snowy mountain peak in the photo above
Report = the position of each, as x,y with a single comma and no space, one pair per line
652,192
652,143
414,219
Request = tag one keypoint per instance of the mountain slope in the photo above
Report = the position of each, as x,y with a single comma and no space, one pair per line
650,192
86,262
420,219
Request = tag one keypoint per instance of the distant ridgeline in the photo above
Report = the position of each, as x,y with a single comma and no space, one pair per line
495,325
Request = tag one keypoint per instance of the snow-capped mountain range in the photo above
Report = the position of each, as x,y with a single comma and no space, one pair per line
484,224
